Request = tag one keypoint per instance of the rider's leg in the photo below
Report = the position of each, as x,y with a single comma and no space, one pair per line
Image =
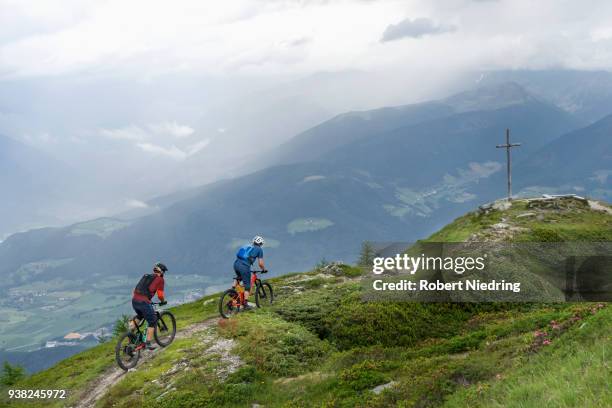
133,323
149,314
150,331
246,281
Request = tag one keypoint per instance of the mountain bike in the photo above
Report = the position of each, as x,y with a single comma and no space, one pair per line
129,345
232,300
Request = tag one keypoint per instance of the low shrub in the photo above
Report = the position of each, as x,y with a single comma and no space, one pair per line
363,375
357,323
311,309
275,346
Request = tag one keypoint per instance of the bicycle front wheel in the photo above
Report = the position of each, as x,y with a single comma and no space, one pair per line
264,296
126,352
165,329
229,303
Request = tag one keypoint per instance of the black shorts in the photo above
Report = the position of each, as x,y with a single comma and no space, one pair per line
144,309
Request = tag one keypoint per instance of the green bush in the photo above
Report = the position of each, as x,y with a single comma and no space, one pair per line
311,310
352,271
11,374
121,325
358,323
275,346
363,375
185,399
540,234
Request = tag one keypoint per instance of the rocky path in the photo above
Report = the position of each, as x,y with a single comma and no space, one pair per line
113,375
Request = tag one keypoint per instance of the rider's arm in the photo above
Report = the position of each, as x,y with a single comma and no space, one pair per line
160,290
261,264
160,295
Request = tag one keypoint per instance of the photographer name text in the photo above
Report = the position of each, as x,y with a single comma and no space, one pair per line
467,285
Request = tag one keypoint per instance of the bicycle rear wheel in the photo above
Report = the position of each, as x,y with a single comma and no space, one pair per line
126,352
264,296
165,328
229,303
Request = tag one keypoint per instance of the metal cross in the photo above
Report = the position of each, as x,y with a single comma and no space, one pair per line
508,146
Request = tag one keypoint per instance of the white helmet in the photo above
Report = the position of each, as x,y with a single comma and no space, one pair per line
258,240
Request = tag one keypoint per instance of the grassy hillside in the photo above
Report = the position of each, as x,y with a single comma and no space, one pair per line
321,345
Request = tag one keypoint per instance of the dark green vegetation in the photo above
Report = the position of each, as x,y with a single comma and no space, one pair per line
11,374
321,345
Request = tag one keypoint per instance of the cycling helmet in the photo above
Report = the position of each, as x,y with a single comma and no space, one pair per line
258,240
161,267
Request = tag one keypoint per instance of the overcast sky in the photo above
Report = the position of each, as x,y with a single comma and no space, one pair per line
128,82
147,38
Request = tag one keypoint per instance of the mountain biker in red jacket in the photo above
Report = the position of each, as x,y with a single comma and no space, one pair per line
148,286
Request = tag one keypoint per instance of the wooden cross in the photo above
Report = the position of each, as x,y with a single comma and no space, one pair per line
508,146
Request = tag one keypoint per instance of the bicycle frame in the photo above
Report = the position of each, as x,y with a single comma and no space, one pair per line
255,282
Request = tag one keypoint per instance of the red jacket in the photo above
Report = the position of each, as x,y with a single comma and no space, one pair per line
157,286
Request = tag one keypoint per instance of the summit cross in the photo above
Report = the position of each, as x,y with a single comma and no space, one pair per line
508,146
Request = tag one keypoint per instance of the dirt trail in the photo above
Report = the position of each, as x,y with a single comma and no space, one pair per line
113,375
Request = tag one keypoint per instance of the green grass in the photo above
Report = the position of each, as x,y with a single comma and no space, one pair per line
321,345
574,371
574,224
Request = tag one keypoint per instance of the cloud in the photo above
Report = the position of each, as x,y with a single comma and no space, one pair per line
245,37
172,129
416,28
132,203
125,133
139,133
173,152
298,42
40,138
196,147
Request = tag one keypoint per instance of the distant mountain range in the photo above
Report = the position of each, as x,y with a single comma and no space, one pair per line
392,174
587,95
352,126
402,178
579,161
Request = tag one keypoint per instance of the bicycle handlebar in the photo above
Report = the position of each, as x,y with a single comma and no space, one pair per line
264,271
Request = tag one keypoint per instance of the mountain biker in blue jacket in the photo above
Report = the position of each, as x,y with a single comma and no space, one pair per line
245,257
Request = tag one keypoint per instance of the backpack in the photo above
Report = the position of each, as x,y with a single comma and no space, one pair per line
244,253
143,285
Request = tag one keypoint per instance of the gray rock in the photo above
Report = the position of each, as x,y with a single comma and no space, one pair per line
380,388
500,225
502,205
